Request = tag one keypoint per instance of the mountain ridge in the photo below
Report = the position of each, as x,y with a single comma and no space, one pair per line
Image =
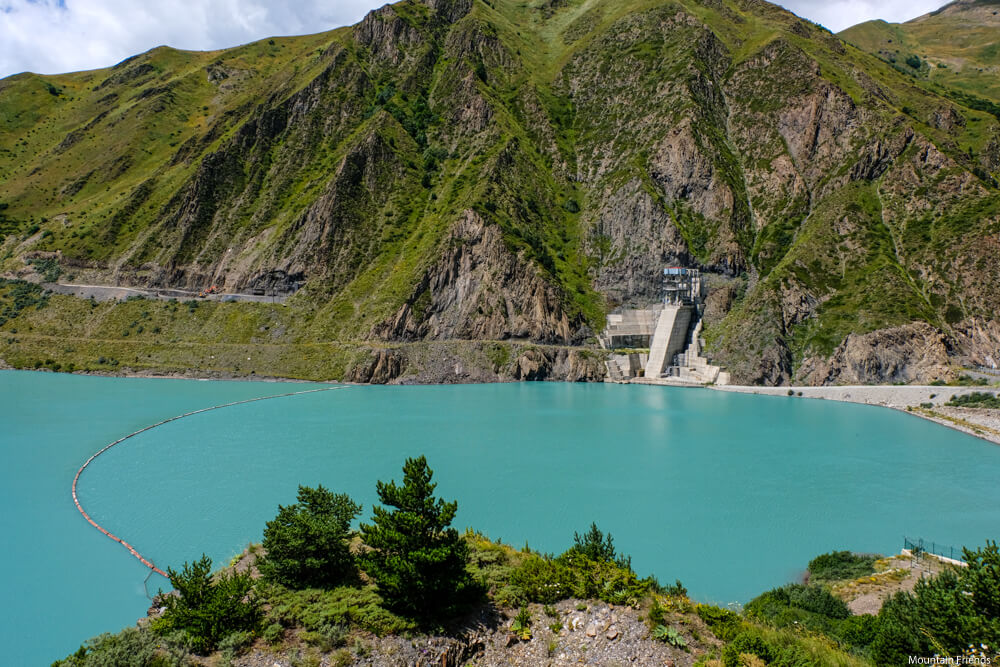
487,170
954,47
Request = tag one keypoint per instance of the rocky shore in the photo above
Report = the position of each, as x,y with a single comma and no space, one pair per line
926,401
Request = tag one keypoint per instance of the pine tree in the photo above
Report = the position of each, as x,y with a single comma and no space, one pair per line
598,547
208,608
307,542
416,559
594,544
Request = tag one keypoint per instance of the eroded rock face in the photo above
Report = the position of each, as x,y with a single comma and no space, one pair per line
450,10
384,367
384,32
978,341
638,238
463,362
549,364
531,365
685,173
479,289
914,353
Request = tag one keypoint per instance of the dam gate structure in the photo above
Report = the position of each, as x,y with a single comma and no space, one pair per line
661,344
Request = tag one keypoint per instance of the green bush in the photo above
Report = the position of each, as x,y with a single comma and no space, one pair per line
545,580
750,642
606,580
589,569
498,355
542,580
327,638
416,559
521,625
131,647
859,630
818,600
723,623
306,542
839,565
675,589
208,610
49,268
312,609
18,295
235,642
977,399
273,633
656,615
792,655
812,608
943,615
670,636
969,381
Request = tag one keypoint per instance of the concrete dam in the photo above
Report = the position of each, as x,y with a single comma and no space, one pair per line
662,344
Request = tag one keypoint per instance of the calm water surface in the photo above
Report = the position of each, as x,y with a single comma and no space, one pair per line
730,493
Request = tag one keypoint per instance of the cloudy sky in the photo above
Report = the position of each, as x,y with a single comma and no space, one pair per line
51,36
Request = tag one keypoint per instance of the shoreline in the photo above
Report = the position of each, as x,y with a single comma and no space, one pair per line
904,398
179,375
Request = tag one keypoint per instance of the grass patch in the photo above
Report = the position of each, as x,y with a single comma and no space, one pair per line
319,611
840,565
17,296
977,399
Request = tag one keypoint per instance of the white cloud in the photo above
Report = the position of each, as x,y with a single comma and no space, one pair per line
50,36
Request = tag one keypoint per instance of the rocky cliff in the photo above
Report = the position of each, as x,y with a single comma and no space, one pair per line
491,171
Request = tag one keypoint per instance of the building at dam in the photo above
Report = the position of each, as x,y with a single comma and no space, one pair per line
663,343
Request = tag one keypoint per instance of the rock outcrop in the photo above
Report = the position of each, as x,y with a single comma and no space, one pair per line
915,353
467,362
480,290
384,367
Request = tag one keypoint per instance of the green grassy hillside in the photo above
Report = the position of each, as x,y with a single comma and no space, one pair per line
493,170
958,46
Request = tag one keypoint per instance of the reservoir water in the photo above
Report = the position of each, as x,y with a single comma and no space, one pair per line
732,494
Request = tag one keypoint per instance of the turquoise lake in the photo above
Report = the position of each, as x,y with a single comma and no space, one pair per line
732,494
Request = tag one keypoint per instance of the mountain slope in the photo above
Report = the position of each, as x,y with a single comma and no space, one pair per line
957,46
459,169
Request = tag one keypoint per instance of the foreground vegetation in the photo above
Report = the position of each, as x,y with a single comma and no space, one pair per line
313,586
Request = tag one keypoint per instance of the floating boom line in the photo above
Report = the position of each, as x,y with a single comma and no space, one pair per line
76,479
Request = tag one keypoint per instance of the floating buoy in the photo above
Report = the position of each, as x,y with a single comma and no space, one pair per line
76,478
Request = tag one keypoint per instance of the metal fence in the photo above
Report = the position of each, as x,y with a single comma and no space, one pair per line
944,550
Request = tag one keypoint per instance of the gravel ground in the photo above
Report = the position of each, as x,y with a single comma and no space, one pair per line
867,595
590,634
986,417
899,398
